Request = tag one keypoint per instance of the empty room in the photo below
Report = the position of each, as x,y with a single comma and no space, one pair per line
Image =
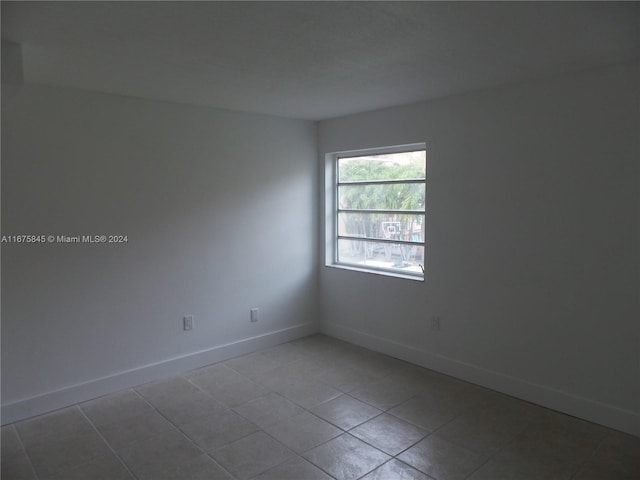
320,240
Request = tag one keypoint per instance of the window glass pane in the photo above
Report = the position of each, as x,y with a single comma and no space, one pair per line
390,166
403,196
397,226
380,204
371,254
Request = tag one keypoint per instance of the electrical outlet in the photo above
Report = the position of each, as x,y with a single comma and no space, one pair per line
435,323
187,322
254,314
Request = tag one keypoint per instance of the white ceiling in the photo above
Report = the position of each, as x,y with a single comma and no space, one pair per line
312,60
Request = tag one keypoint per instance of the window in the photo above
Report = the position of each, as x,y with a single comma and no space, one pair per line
379,210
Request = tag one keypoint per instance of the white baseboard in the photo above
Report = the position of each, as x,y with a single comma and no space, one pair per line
581,407
82,392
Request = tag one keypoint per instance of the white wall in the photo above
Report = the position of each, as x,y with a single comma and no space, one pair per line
219,208
532,258
532,243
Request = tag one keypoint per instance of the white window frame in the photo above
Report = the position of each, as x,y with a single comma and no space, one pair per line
332,209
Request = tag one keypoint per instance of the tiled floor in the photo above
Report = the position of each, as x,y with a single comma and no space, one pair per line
315,408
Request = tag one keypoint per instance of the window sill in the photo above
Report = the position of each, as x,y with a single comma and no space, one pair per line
384,273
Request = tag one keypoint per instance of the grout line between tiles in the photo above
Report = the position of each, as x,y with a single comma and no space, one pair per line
347,391
26,453
177,427
133,475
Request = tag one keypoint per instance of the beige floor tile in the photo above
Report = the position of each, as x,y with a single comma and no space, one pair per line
212,375
268,409
432,409
58,454
190,407
122,433
300,371
386,393
61,423
160,456
284,353
302,398
103,468
620,446
17,467
219,429
10,444
436,386
116,407
303,432
442,459
254,365
309,394
617,457
166,392
567,430
542,454
389,434
236,392
346,457
496,471
376,365
487,427
252,455
199,468
606,471
396,470
343,377
346,412
295,469
318,344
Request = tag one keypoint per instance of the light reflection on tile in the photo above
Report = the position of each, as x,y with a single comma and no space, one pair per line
346,457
